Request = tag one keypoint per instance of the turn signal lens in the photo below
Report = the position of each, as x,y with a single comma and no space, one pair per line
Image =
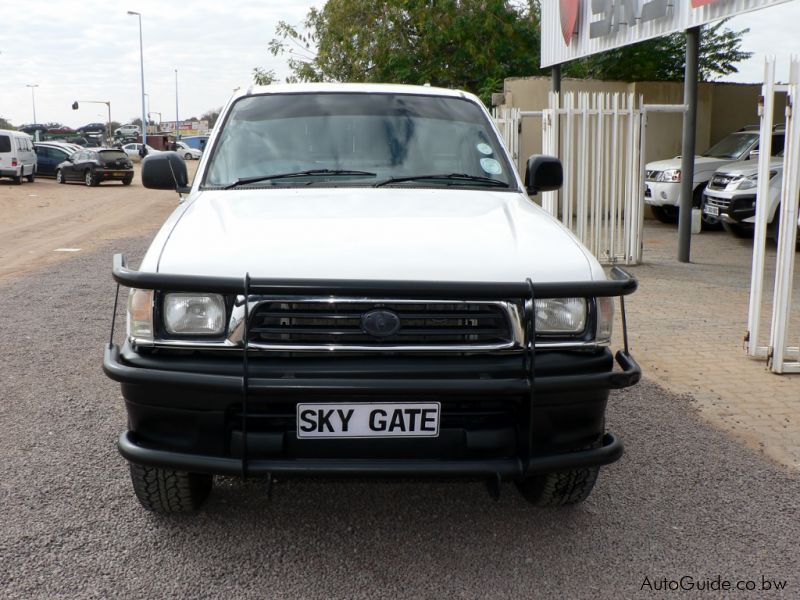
140,314
605,319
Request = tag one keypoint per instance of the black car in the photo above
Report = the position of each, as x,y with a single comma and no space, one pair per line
95,166
49,155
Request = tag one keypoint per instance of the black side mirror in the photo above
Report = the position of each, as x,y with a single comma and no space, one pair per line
165,171
543,174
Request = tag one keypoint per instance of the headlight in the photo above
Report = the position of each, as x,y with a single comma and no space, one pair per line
747,183
670,176
194,314
605,319
560,315
140,314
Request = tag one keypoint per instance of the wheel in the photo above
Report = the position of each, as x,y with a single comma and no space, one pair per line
17,178
60,177
127,180
167,491
89,179
32,177
738,230
559,489
187,156
665,214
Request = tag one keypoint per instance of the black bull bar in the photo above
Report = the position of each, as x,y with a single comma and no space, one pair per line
620,284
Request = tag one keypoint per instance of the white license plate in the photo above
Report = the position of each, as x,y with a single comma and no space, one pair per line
368,420
711,210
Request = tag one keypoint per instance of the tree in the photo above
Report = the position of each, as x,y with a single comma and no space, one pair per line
663,59
4,124
469,44
264,76
211,116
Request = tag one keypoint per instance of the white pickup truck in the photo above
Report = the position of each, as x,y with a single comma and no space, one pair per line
358,283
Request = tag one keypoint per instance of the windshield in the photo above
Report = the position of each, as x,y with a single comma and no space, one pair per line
733,146
346,139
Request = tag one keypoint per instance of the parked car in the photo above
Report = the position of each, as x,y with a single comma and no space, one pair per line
49,155
92,129
128,130
134,151
663,178
731,196
94,166
17,158
186,152
358,284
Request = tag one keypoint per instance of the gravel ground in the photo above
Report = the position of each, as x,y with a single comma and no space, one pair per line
686,500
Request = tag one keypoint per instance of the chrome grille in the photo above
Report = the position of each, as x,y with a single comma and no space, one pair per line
322,323
720,182
652,175
718,202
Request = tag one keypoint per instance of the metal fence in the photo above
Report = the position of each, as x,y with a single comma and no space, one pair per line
599,138
781,357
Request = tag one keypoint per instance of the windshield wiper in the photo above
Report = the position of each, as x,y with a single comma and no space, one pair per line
343,172
445,176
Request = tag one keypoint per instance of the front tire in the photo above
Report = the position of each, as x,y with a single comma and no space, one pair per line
559,489
187,156
127,180
665,214
738,231
166,491
60,176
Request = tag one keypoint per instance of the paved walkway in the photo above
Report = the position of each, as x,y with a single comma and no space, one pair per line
687,323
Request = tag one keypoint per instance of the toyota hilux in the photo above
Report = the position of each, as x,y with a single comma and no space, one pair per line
358,283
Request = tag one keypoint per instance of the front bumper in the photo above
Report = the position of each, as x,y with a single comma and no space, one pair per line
510,415
738,209
659,193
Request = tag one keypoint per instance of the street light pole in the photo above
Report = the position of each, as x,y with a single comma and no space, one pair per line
177,120
141,68
33,99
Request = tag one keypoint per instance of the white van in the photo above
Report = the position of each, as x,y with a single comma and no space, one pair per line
17,158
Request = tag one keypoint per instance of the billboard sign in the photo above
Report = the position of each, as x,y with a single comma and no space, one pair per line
576,28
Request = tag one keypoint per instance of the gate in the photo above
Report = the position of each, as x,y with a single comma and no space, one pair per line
777,352
599,139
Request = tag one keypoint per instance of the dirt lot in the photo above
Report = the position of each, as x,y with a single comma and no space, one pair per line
44,222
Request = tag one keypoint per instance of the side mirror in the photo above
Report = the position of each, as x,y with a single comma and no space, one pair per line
754,153
543,174
165,171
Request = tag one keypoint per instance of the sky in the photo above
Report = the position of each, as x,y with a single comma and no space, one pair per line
89,50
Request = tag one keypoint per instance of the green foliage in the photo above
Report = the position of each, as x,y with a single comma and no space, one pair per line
264,76
663,59
468,44
5,124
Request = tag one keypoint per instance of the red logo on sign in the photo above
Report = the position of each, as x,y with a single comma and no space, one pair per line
699,3
569,18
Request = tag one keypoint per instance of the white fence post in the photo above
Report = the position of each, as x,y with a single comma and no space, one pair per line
766,112
787,235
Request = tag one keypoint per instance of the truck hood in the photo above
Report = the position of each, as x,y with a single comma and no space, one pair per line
701,163
387,233
746,168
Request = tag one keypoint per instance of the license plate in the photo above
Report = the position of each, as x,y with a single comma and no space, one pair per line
711,210
119,173
368,420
